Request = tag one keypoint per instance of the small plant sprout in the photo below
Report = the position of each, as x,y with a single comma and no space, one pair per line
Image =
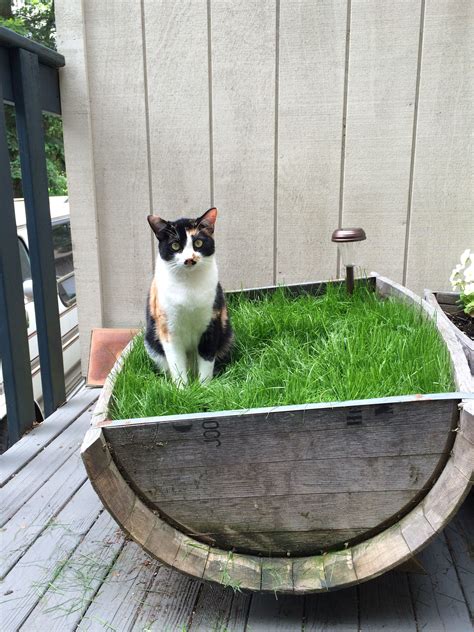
346,239
462,281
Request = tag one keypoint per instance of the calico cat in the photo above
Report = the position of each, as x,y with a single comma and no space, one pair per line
187,325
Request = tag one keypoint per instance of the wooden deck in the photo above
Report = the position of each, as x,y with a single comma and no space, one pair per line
66,566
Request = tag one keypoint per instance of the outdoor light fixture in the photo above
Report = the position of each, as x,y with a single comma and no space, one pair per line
346,238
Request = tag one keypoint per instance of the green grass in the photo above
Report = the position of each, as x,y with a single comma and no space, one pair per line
300,350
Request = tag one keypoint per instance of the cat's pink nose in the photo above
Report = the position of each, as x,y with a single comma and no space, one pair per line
190,262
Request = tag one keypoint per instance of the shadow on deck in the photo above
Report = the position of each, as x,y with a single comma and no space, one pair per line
66,565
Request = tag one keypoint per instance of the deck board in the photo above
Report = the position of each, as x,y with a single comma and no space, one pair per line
34,442
69,567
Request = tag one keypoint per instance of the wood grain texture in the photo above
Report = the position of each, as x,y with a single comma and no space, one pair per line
441,219
44,557
83,574
81,168
379,128
238,493
386,605
118,115
312,42
332,612
243,105
440,302
437,597
25,450
176,38
282,614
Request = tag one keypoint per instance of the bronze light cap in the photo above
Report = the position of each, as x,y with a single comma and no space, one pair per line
341,235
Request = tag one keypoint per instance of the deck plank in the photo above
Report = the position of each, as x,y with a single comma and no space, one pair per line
212,608
282,614
30,577
460,536
30,521
68,596
31,444
332,612
38,471
119,599
169,602
437,597
385,604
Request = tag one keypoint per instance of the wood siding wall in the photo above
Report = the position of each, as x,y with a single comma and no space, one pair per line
291,116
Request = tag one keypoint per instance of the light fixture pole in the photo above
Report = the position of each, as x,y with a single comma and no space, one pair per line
345,238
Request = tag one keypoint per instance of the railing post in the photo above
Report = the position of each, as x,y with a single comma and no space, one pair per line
13,329
26,88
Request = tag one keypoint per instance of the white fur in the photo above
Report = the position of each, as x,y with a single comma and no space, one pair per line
186,295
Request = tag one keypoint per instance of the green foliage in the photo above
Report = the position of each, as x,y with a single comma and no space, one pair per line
35,20
300,350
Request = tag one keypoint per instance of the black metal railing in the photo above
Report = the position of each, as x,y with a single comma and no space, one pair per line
28,80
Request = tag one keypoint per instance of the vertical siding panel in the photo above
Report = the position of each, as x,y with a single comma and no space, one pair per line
243,86
379,133
311,97
78,146
117,96
177,72
442,221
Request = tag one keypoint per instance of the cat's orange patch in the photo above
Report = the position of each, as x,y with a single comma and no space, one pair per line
161,323
192,231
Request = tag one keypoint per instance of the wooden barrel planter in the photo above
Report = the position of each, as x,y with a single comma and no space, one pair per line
448,303
291,499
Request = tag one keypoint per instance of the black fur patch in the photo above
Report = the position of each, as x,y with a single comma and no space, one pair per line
151,334
216,341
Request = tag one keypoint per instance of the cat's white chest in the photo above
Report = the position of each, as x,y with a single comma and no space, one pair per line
188,305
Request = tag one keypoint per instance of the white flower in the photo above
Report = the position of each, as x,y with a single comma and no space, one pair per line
466,257
469,273
468,289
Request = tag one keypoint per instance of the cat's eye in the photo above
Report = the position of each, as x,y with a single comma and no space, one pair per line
175,246
198,243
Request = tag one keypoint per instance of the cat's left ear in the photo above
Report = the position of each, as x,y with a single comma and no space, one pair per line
208,220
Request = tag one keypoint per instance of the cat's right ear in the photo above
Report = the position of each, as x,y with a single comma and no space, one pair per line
157,225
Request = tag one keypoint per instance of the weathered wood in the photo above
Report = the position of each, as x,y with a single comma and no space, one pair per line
400,432
445,496
309,574
460,538
220,609
37,473
448,303
312,43
339,569
29,579
26,449
243,43
277,575
68,595
168,604
442,192
332,612
381,102
30,520
385,604
240,572
380,554
121,594
297,543
282,614
437,597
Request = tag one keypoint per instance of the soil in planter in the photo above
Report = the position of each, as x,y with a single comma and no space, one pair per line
463,322
300,350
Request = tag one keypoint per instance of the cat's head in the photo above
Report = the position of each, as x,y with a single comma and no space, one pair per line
185,244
